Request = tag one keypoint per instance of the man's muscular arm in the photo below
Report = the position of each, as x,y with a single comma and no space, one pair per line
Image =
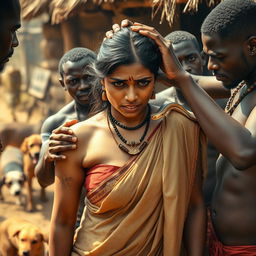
234,140
210,84
54,142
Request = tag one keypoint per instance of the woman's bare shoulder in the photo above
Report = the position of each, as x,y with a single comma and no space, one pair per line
88,127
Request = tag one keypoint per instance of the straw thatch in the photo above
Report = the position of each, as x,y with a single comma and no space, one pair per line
168,7
60,10
34,8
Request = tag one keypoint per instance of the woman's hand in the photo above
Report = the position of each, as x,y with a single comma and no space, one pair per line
170,64
62,139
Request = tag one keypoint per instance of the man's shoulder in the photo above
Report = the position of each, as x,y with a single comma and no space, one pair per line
68,109
59,118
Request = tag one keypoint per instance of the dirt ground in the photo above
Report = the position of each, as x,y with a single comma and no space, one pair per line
8,208
41,217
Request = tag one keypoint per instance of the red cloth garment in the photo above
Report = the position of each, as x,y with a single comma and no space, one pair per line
101,172
217,248
97,174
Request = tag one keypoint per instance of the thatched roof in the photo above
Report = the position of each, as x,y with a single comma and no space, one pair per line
34,8
168,7
60,10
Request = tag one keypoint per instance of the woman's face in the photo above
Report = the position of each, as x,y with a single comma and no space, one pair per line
128,90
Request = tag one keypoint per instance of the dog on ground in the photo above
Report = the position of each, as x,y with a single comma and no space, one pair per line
12,174
19,237
31,149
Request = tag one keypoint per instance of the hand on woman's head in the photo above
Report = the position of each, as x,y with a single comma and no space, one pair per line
116,27
170,64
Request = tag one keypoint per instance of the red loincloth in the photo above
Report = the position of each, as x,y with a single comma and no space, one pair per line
217,248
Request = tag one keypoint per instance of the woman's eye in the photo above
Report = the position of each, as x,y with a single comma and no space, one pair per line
118,84
143,83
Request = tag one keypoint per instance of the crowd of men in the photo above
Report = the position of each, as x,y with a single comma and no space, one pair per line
229,46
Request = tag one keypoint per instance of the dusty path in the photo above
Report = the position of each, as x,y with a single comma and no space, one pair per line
40,217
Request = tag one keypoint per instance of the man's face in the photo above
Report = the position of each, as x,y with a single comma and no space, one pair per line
9,23
228,59
77,80
189,57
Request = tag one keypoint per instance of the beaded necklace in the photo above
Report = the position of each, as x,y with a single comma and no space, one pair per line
119,124
134,147
230,107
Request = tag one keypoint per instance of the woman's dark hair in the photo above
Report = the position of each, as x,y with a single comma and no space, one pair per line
125,48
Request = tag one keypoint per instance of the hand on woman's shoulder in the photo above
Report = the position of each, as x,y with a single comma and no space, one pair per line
87,127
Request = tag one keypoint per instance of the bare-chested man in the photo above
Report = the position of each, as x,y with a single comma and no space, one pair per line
77,80
187,50
229,39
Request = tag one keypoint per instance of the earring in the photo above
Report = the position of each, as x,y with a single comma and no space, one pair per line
104,96
253,51
153,96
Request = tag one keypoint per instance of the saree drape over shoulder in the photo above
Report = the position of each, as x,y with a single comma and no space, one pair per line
140,210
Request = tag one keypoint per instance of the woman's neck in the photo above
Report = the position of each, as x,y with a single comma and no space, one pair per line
130,121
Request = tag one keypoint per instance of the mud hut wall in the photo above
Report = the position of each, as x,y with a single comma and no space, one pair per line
51,46
93,26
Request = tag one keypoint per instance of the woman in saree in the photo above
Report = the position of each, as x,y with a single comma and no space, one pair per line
143,170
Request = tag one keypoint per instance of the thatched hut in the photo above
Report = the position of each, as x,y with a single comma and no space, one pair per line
74,23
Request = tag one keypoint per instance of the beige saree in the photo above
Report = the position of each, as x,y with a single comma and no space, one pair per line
141,209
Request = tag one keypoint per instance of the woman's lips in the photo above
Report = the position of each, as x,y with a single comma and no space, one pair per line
130,108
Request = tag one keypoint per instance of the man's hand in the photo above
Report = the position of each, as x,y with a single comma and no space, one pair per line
170,64
116,27
62,139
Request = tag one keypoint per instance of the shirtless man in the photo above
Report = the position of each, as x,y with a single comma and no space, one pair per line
187,50
9,23
56,135
229,39
189,54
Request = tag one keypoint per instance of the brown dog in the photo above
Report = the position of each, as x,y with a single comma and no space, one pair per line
31,149
19,237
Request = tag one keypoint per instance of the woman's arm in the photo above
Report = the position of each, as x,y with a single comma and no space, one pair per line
195,226
54,143
69,177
